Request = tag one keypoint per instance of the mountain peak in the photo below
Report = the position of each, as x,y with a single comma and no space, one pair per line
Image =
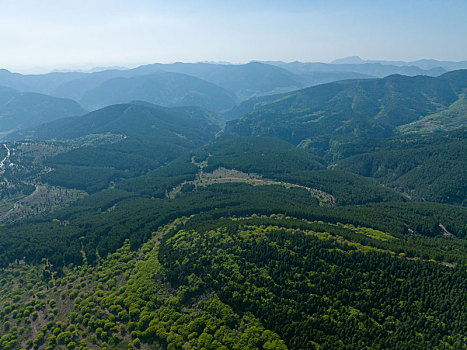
348,60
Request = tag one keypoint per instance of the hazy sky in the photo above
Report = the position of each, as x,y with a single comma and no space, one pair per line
84,33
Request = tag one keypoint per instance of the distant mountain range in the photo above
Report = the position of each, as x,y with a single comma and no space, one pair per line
242,80
373,69
245,80
162,88
27,109
423,64
227,89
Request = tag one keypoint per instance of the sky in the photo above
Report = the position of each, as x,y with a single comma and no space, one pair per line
44,35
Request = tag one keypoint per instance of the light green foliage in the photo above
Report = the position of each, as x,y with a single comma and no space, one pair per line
214,284
451,118
127,302
372,233
313,283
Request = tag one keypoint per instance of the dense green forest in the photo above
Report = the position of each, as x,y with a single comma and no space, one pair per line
311,287
433,172
135,207
259,282
132,207
132,119
351,108
425,167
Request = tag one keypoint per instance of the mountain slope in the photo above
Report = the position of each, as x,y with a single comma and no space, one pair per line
133,119
267,159
433,169
249,105
352,108
145,137
448,119
20,110
165,89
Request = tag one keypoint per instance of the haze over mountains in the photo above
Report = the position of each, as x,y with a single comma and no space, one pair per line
163,88
215,87
376,69
423,63
27,109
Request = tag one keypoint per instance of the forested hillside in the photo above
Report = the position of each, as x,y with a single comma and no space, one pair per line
358,124
145,136
131,119
363,108
277,178
433,172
